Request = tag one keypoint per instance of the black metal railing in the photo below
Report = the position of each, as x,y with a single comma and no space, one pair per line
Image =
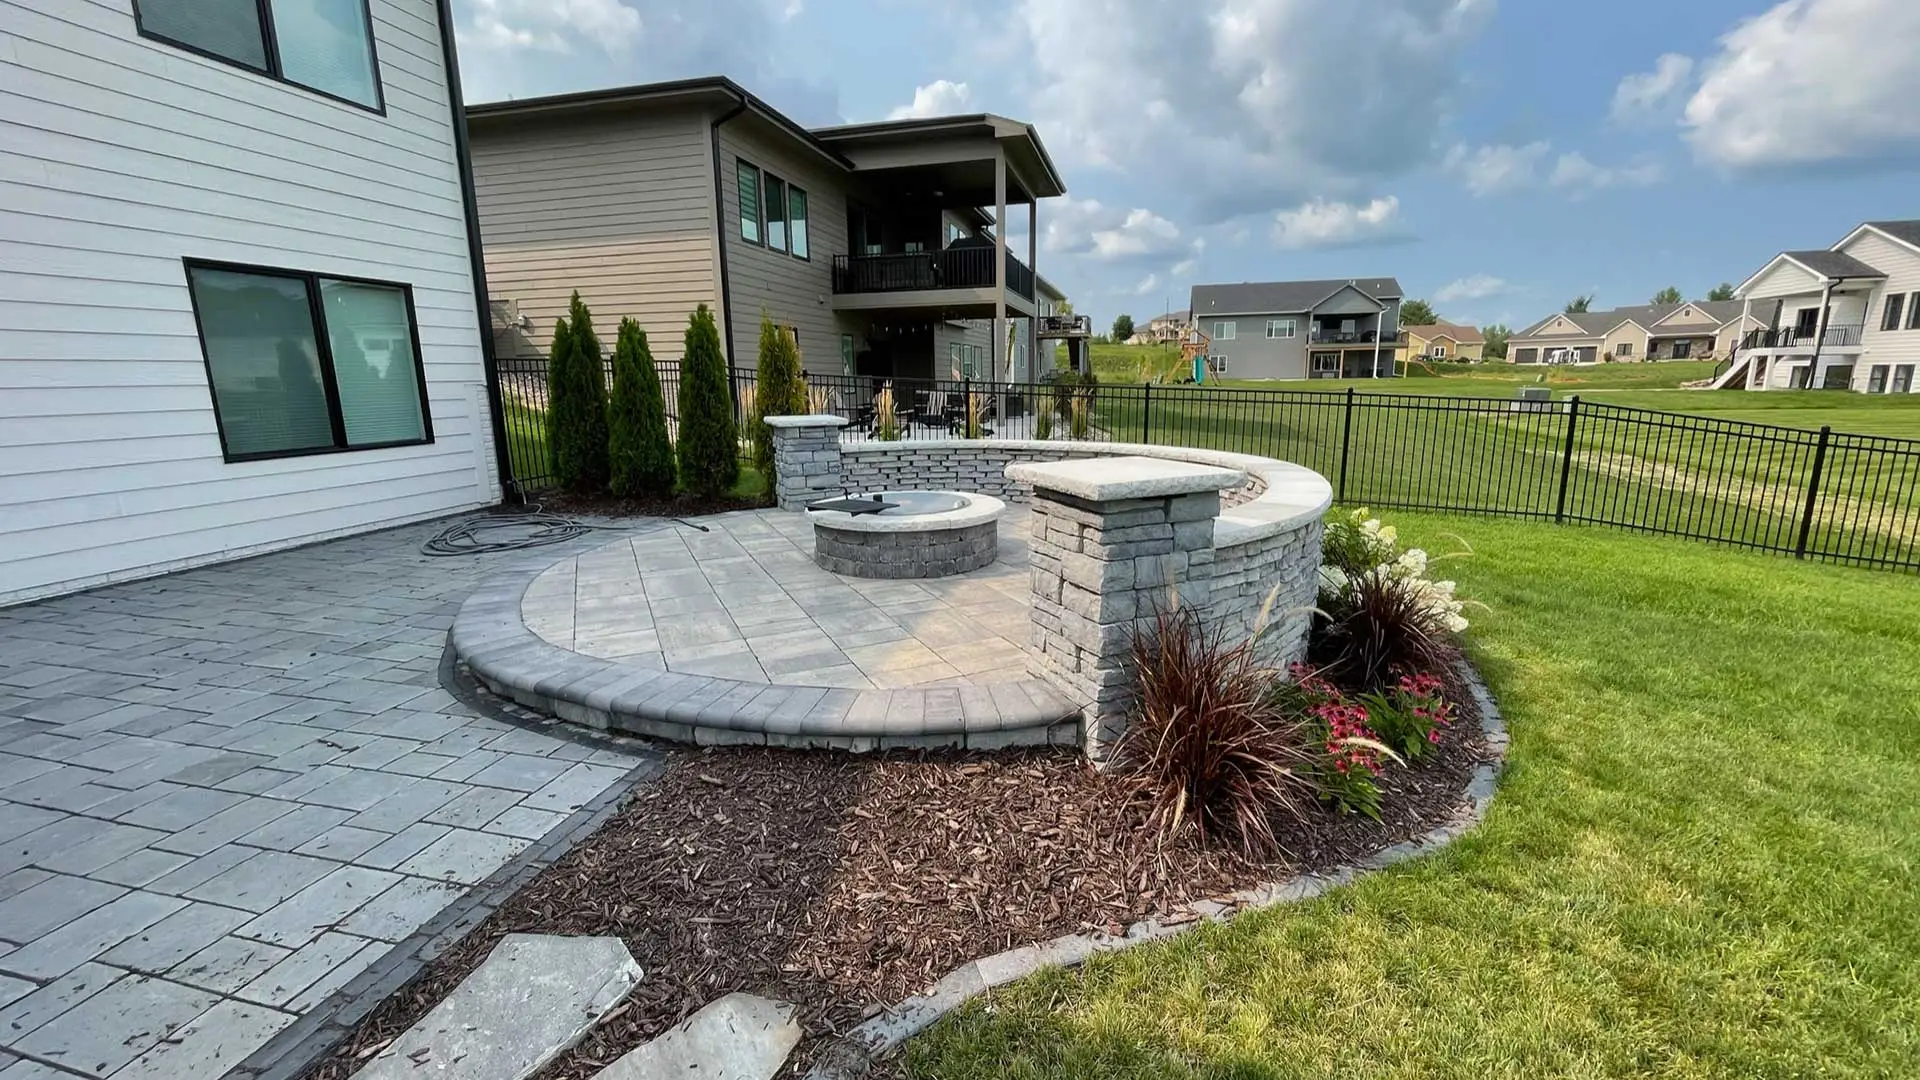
1325,336
968,267
1053,326
1814,494
1788,337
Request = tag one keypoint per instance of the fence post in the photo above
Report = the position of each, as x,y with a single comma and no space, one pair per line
1346,442
1813,491
1566,460
1146,411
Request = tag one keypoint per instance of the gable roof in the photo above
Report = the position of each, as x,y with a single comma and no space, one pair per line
1454,332
1833,264
1283,297
1601,323
1907,232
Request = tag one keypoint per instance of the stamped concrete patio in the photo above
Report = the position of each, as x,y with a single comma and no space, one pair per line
745,601
225,793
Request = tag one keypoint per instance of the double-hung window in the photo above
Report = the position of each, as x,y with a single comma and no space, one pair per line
1903,379
1913,311
303,363
773,213
748,178
323,45
1280,328
1877,379
1224,331
1890,315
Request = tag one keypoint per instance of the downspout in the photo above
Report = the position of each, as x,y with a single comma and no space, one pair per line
720,238
476,254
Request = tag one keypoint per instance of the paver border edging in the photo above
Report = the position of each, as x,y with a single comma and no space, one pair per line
853,1056
492,639
302,1044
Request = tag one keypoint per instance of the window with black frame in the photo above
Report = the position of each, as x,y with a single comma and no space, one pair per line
322,45
302,363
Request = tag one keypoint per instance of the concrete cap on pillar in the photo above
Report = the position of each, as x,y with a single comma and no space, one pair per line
1111,479
822,420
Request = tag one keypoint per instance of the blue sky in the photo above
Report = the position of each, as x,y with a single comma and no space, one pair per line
1497,156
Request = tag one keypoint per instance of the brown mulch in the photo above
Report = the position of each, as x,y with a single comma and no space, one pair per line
843,883
677,506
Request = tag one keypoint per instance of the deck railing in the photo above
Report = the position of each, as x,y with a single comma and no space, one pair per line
909,271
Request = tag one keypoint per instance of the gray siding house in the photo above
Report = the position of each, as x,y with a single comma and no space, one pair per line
1338,328
881,245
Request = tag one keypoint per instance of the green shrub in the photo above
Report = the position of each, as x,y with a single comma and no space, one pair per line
1043,423
641,455
779,389
709,448
1379,616
577,404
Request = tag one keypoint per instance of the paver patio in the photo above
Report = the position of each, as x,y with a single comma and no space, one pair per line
226,792
745,601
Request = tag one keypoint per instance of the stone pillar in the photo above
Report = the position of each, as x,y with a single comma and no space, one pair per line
1114,540
806,459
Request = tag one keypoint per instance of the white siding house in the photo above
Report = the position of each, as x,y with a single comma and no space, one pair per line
192,211
1847,317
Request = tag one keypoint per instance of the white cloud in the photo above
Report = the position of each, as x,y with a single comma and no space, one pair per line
1476,287
938,98
1494,169
1240,102
1321,223
1088,227
1811,81
1147,285
553,25
1574,172
1653,92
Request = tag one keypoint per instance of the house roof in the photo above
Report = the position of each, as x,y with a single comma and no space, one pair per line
1833,264
1282,297
1907,232
1454,332
1601,323
1175,316
1026,154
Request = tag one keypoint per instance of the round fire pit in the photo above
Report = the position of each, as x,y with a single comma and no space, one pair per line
924,534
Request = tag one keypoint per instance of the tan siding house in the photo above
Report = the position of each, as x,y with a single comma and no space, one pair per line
634,196
622,212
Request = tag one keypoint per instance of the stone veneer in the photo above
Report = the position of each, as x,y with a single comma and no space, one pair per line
981,464
905,555
806,459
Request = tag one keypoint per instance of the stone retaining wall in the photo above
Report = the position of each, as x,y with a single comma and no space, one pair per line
978,465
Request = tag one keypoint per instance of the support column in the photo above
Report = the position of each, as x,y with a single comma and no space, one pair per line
1033,264
806,459
1820,337
1114,541
999,259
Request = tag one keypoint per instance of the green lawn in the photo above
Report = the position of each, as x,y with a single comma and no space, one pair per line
1700,864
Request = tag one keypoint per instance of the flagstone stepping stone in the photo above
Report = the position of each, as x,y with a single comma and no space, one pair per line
533,997
739,1037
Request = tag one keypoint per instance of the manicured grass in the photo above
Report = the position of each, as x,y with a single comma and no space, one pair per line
1700,862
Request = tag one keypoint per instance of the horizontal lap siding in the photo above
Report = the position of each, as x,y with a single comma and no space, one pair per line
1902,266
120,156
619,207
798,292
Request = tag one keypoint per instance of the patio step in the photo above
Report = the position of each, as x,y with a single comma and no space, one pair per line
490,636
533,997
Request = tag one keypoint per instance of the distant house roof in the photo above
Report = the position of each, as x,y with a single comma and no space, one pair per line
1833,264
1599,323
1282,297
1173,316
1457,333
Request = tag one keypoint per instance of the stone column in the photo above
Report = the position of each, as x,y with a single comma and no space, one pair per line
1114,540
806,459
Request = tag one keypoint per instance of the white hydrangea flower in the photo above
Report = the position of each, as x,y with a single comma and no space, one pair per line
1412,563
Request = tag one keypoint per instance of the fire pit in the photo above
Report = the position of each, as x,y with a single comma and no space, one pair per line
906,534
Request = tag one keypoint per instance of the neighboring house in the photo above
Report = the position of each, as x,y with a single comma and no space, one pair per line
1690,330
241,302
1345,328
1844,318
881,244
1445,341
1162,329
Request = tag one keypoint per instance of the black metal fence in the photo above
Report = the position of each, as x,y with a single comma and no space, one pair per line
1813,494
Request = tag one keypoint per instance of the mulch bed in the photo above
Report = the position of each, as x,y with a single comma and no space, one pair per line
677,506
844,883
